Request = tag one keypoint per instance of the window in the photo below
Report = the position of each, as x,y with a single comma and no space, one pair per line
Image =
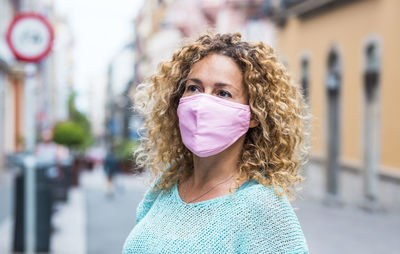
371,74
305,77
333,76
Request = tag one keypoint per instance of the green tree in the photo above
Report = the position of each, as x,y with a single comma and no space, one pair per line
70,134
75,133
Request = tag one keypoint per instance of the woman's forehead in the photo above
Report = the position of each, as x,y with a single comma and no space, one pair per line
217,68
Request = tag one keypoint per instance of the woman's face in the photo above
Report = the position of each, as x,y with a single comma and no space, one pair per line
219,76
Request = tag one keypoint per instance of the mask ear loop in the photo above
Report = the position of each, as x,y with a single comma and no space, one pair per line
253,117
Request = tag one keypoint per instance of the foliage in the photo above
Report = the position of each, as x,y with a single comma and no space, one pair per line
81,120
124,151
69,133
77,116
76,132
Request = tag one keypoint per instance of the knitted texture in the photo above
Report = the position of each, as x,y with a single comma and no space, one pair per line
251,220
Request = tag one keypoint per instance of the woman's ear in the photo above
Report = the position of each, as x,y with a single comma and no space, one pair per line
253,122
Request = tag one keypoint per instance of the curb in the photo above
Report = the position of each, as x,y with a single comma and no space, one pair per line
70,225
384,174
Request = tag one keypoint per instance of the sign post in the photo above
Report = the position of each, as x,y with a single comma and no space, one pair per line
30,38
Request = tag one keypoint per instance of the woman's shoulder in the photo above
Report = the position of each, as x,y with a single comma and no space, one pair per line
262,196
270,221
148,200
261,203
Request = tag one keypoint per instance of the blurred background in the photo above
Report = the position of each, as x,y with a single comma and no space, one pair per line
68,68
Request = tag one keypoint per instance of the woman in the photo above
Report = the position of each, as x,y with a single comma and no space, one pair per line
225,131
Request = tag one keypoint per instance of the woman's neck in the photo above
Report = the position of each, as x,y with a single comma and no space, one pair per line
214,169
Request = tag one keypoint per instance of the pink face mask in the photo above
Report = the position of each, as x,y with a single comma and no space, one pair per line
209,124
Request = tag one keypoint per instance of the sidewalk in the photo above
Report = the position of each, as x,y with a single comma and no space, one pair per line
91,221
110,218
94,223
70,225
68,222
6,220
348,228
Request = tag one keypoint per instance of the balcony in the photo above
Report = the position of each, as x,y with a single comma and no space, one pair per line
304,8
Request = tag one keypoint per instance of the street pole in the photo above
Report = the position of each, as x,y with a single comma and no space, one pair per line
333,145
333,148
30,37
29,161
30,204
371,139
2,121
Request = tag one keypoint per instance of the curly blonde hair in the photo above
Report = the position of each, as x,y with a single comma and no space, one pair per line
272,152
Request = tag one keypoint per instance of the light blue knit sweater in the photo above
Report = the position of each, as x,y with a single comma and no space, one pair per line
252,220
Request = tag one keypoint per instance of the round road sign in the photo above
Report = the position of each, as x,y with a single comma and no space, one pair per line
30,37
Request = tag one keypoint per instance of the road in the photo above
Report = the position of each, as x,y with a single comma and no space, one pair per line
95,223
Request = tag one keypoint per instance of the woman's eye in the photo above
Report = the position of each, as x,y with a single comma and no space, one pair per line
224,94
192,88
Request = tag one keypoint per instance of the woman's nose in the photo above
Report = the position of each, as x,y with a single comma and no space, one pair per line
208,91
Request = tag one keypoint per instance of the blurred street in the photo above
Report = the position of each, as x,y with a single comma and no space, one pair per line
348,228
69,70
91,221
110,218
94,222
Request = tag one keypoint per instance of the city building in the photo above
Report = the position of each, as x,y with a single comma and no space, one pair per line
118,105
344,54
25,113
11,90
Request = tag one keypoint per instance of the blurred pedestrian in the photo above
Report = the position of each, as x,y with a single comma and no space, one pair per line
46,150
50,154
225,140
110,169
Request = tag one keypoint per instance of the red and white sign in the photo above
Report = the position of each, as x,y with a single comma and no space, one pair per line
30,37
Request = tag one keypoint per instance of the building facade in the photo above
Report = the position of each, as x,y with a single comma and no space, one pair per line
11,89
344,54
50,82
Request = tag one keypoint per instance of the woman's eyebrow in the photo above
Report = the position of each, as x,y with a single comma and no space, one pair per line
225,85
219,84
195,80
